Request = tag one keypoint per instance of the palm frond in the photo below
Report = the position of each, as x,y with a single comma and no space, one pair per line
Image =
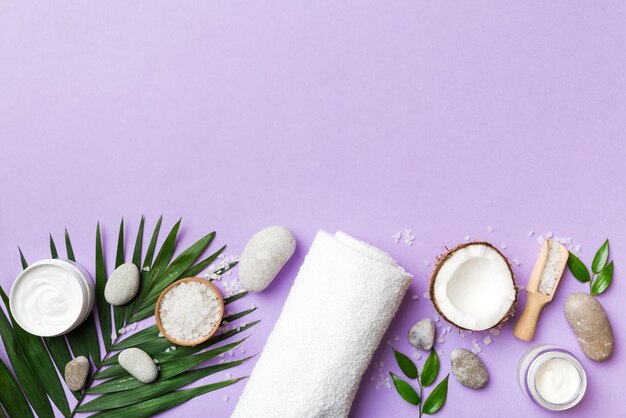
35,360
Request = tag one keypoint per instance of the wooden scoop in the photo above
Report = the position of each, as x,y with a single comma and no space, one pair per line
535,300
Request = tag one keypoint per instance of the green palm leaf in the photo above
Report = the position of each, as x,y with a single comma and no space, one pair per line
23,371
36,354
85,335
11,396
104,309
151,407
36,361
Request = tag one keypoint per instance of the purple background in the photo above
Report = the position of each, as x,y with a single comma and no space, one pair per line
368,117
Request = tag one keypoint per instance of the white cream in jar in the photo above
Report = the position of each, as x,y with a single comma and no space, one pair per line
552,377
52,297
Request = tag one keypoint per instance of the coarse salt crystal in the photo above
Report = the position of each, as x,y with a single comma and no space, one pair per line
516,262
415,297
487,340
490,228
503,246
531,233
189,311
467,237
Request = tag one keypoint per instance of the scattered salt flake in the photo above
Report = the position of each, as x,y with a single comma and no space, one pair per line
220,355
441,340
426,262
467,237
522,286
231,353
503,246
146,268
388,342
220,362
121,330
427,295
167,350
495,331
227,375
540,239
242,350
113,335
549,234
372,378
531,233
449,328
475,351
156,361
417,355
577,248
490,228
440,352
225,398
396,237
437,318
487,340
396,338
516,262
415,297
160,335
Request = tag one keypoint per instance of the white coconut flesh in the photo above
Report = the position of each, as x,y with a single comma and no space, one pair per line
474,287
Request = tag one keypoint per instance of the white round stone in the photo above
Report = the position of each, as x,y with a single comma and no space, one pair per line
139,364
264,256
122,285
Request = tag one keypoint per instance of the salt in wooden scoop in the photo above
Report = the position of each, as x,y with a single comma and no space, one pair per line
541,286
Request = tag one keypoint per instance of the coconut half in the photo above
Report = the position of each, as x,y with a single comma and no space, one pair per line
473,287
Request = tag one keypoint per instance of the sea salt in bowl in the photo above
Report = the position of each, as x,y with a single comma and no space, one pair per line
189,311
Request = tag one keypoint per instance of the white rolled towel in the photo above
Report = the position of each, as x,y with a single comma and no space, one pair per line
340,305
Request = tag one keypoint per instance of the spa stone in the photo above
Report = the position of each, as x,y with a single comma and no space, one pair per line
123,285
422,334
264,256
139,364
76,372
468,369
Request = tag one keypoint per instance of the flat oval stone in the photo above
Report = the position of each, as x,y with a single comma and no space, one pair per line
590,324
76,372
139,364
264,256
468,369
122,285
422,334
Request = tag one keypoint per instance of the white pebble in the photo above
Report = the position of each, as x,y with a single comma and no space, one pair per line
264,256
139,364
122,285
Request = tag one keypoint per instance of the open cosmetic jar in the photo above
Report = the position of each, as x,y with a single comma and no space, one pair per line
551,377
52,297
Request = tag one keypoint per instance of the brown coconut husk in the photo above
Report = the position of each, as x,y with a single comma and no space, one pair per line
442,258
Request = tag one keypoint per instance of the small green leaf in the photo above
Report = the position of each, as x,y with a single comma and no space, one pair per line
405,390
430,370
119,311
577,268
406,365
603,281
130,306
437,398
599,260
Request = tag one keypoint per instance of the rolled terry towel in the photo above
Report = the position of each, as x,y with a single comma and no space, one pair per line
339,307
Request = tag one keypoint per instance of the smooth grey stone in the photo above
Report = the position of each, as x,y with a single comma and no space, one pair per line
468,369
264,256
122,285
139,364
590,324
422,334
76,372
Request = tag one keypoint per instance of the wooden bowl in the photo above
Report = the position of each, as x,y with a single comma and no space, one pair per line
157,307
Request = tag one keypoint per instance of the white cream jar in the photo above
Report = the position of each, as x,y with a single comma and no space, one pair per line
52,297
552,377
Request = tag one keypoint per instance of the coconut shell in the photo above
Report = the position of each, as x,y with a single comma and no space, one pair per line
441,259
